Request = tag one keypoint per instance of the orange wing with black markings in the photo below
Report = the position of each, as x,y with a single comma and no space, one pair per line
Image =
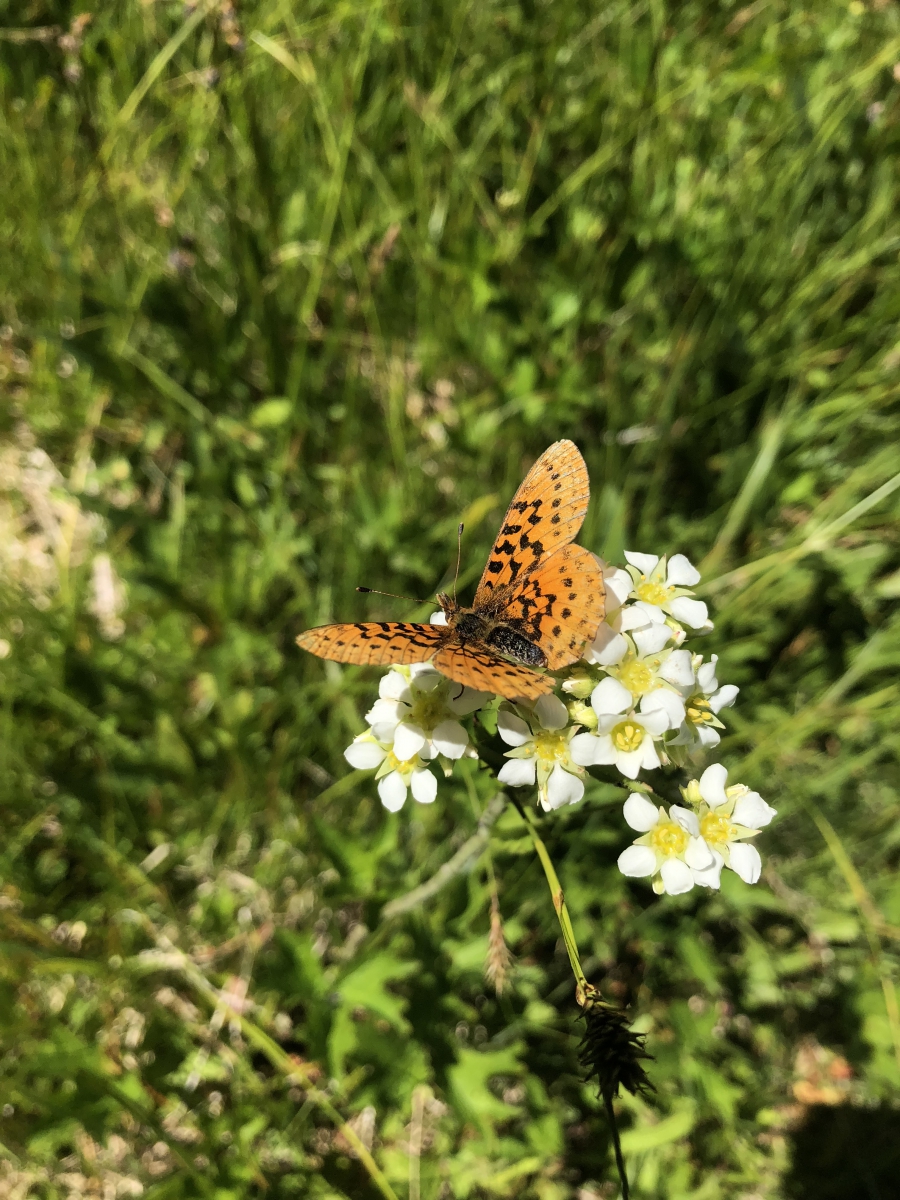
375,643
481,668
559,605
546,513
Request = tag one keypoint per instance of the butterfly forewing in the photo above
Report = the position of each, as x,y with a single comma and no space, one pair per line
479,667
546,513
559,606
375,643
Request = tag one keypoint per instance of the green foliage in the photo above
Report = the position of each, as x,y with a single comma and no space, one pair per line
286,293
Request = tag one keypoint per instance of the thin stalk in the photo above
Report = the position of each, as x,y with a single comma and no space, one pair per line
583,989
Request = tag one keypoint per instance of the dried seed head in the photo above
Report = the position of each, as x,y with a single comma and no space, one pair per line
499,959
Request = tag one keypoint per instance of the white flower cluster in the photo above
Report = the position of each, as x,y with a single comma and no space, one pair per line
655,695
640,699
414,723
688,846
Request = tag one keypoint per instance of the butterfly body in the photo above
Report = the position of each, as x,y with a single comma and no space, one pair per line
539,603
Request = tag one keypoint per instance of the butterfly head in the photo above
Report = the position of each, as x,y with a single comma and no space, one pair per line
447,603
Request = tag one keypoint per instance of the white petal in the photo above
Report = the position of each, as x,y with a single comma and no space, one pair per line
650,759
706,676
698,855
724,697
551,712
692,613
644,562
639,813
618,586
364,755
563,788
392,791
467,701
450,739
670,704
438,618
653,613
408,740
710,876
745,861
635,616
604,753
610,697
424,678
751,810
423,786
518,772
394,686
423,668
686,819
678,669
583,749
386,712
512,729
712,785
652,639
708,736
608,647
629,763
681,573
676,876
637,862
654,722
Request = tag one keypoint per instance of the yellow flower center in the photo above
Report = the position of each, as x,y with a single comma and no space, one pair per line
627,736
699,712
636,676
404,766
669,839
550,747
428,709
653,593
716,829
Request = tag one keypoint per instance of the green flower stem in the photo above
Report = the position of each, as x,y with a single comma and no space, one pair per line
583,990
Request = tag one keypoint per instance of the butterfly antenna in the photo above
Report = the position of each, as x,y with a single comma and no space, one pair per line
459,534
394,595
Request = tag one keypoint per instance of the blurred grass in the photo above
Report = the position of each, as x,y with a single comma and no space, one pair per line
288,291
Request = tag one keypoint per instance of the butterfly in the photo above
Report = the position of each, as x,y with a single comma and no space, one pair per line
539,603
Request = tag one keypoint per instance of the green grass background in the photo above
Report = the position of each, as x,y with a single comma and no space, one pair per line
289,290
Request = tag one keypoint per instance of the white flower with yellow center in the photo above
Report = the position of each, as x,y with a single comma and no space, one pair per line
625,738
541,753
704,700
417,713
727,818
395,776
671,851
664,584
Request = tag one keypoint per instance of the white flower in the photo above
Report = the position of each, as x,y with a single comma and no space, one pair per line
395,776
541,753
671,849
651,679
727,817
704,700
417,713
624,738
646,623
665,585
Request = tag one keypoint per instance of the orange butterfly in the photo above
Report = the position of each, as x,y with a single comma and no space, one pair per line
539,603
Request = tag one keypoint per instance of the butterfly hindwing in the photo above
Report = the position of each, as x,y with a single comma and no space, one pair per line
374,643
559,606
546,513
479,667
